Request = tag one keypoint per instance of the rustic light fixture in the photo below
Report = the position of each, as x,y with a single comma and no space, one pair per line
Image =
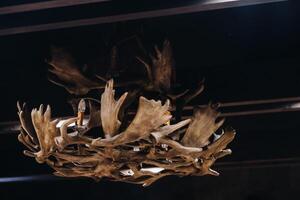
139,149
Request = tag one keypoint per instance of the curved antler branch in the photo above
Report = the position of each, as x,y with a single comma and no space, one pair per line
46,132
110,110
142,153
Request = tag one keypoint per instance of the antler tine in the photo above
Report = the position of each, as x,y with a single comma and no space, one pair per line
26,123
110,110
202,127
46,132
166,130
64,139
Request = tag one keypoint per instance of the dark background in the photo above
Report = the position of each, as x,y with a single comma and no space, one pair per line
244,53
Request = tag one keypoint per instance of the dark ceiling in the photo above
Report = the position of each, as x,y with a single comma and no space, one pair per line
244,53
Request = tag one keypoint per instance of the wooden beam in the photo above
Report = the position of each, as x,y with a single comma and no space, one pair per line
28,7
198,7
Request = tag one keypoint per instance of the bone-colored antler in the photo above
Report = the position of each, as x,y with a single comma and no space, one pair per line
46,132
141,153
202,127
110,110
150,116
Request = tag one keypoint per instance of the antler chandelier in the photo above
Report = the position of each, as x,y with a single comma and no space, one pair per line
139,149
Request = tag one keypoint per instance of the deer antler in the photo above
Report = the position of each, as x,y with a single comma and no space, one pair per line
150,115
202,127
123,154
26,123
66,73
160,71
110,110
69,74
46,132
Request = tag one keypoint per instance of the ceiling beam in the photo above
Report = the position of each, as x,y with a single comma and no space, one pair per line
29,7
197,7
